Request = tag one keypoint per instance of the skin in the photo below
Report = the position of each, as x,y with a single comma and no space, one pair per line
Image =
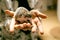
35,20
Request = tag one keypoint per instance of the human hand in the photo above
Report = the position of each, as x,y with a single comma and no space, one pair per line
36,20
16,24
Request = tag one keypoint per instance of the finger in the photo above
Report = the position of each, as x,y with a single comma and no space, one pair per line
28,25
10,13
12,25
40,26
34,28
24,24
39,14
19,26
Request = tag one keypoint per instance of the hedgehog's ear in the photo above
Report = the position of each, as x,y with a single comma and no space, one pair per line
10,13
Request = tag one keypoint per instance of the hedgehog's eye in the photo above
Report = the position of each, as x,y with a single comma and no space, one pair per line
20,14
28,15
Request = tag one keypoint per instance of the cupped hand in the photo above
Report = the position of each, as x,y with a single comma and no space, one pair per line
35,20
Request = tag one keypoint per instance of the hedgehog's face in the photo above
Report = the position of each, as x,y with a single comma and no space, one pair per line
23,17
